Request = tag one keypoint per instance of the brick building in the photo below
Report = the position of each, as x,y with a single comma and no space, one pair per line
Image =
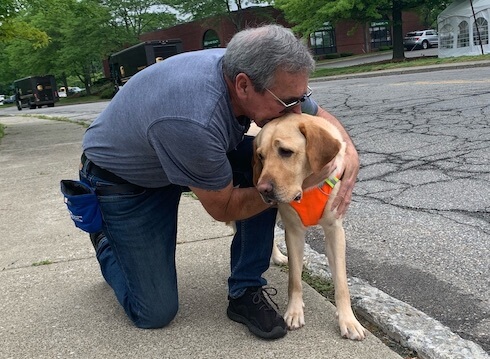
216,32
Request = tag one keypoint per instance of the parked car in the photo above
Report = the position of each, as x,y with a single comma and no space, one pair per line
421,39
75,89
10,99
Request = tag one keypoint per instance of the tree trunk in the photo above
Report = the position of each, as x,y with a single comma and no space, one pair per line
367,37
398,49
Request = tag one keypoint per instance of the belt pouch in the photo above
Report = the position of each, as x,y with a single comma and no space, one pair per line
83,205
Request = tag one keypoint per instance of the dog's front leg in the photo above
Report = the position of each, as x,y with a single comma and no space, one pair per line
335,248
295,242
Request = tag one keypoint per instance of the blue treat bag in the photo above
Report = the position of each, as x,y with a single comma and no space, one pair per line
83,205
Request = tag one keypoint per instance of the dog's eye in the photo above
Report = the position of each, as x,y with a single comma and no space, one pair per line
284,152
260,157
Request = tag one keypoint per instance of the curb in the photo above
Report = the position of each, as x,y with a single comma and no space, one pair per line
400,321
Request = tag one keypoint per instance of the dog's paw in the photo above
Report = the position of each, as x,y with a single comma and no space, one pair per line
277,257
352,329
294,317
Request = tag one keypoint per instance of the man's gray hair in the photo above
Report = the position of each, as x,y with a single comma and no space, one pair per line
260,52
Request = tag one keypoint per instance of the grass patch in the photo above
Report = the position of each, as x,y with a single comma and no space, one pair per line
74,100
42,263
61,119
190,194
322,286
2,131
389,65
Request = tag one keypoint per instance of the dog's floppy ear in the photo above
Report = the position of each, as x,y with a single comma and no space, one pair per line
321,146
256,162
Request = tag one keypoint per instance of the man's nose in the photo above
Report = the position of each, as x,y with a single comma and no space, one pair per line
297,109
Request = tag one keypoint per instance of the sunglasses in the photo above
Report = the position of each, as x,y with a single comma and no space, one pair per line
295,102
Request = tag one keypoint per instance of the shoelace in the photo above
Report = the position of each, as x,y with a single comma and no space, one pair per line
260,296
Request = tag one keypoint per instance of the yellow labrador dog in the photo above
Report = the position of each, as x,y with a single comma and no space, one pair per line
286,151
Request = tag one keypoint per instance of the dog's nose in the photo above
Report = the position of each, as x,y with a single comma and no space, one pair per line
265,187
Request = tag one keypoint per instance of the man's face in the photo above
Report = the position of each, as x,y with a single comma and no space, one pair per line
264,107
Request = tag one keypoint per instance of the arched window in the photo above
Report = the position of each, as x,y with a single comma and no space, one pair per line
446,37
463,34
210,39
482,30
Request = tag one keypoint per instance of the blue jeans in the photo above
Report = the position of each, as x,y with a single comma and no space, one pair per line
137,257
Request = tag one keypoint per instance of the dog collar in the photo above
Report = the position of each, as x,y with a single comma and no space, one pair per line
332,181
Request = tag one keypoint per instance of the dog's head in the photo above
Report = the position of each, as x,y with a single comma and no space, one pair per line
289,149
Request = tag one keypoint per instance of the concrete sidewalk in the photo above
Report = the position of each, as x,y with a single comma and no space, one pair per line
55,302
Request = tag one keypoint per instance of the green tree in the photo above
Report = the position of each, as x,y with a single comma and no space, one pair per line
135,17
78,35
215,9
430,10
86,39
13,26
308,16
311,15
77,39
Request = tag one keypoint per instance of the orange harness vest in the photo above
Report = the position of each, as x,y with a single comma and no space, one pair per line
313,203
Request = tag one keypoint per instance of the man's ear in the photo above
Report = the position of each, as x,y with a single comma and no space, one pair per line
243,85
321,146
256,162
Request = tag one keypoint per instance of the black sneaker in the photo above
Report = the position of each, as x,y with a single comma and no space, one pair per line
257,313
95,238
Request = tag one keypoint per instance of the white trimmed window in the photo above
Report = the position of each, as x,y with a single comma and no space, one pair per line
463,34
482,30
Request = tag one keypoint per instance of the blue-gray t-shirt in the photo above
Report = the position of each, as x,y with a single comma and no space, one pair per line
171,123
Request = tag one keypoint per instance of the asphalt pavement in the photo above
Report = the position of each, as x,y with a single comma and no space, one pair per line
418,228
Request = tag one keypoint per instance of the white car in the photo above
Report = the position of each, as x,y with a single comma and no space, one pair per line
75,89
10,99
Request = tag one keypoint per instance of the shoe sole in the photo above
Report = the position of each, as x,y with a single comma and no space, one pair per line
275,333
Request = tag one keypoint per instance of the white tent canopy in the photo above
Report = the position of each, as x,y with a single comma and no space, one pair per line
462,33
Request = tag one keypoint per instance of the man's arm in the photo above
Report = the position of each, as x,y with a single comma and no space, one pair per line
230,203
351,166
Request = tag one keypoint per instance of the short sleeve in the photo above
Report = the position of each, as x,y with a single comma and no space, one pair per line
191,155
309,106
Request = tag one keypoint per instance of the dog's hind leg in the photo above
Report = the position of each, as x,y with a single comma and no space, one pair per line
277,257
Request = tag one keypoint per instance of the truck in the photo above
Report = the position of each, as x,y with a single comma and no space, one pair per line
126,63
35,91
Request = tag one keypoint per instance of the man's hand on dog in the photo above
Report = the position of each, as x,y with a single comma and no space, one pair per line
349,176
